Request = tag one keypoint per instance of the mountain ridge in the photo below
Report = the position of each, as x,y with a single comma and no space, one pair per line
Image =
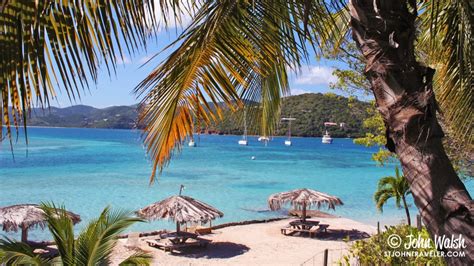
311,111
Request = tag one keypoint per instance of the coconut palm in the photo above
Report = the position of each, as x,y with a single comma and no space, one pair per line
404,95
50,42
239,52
395,187
93,246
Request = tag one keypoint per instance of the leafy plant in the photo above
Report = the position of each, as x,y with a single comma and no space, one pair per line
395,187
377,251
93,246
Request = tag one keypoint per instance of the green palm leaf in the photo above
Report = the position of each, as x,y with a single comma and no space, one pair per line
95,244
136,259
18,253
62,228
446,44
395,187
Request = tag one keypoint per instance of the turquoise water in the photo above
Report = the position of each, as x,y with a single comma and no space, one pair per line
88,169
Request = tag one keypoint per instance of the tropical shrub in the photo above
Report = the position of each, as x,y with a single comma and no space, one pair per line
379,250
93,246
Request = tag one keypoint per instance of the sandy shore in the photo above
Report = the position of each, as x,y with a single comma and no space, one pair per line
260,244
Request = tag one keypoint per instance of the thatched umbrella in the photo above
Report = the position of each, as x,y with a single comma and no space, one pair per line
26,216
302,199
180,209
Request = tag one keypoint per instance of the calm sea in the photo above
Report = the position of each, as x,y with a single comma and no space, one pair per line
88,169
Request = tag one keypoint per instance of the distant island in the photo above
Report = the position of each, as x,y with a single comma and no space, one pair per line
310,110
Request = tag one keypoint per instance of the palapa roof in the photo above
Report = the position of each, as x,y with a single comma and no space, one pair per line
299,197
29,215
180,209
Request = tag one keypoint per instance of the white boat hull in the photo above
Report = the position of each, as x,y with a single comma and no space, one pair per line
326,140
243,142
192,144
288,142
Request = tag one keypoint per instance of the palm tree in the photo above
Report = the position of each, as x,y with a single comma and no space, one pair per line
239,52
395,187
50,43
385,33
235,51
93,246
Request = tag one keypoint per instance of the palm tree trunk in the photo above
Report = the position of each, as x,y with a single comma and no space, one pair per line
407,212
385,32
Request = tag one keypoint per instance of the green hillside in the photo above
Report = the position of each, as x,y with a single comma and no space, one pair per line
310,111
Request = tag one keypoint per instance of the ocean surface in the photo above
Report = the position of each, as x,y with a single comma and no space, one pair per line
88,169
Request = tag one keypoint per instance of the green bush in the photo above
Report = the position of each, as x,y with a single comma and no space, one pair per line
377,251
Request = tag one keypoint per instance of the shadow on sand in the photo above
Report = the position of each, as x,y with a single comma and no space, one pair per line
217,250
335,235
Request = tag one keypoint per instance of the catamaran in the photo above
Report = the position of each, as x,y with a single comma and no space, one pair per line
288,141
244,141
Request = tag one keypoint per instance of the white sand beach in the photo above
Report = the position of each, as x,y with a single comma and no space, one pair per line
259,244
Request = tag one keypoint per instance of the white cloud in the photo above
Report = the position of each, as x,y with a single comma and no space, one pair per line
297,91
316,75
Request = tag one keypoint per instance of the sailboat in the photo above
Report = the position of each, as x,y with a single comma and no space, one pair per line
244,141
288,140
265,140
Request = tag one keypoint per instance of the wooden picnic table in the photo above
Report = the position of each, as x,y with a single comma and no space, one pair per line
303,225
174,241
179,237
299,226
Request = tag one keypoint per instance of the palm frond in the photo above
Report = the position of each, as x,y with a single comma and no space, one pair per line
137,259
51,43
95,243
234,53
381,197
61,227
446,44
391,187
19,253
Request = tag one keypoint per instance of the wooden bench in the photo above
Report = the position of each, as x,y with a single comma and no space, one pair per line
284,229
318,229
289,230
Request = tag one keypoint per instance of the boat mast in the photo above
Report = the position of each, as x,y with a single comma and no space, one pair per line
289,125
289,129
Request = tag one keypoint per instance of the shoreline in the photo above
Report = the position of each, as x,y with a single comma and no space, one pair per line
206,134
258,244
319,215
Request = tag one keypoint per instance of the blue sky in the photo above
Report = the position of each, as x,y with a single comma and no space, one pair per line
118,89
